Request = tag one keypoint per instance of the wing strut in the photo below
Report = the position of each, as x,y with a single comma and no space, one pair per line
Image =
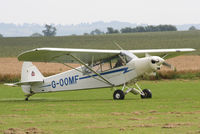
91,70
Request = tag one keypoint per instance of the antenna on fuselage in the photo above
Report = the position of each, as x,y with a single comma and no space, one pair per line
165,56
118,45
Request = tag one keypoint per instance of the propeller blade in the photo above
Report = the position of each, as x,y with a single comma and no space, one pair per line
168,65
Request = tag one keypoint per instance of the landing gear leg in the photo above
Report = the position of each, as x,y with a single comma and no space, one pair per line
120,94
145,93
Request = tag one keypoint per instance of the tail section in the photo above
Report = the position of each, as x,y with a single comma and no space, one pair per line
30,76
30,73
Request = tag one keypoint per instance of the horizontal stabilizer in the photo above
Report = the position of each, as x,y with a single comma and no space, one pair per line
10,84
23,83
29,83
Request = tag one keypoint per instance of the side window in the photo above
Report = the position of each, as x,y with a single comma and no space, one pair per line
118,61
106,66
96,68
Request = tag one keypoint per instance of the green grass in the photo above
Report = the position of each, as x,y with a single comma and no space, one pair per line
174,108
188,39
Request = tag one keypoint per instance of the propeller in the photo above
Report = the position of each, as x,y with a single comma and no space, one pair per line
160,60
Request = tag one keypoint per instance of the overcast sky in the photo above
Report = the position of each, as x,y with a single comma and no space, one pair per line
83,11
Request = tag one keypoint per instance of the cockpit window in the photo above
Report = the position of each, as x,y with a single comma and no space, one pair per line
118,61
107,64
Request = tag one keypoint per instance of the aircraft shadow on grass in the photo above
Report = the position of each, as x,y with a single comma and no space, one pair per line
63,100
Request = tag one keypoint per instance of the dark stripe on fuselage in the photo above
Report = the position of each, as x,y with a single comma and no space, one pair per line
109,72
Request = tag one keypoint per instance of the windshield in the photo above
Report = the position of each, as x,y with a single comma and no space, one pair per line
128,56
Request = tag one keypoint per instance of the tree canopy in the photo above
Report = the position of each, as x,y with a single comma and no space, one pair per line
49,30
96,32
192,28
110,30
1,35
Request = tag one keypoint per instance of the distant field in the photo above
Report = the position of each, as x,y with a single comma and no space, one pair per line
174,109
190,63
10,68
11,47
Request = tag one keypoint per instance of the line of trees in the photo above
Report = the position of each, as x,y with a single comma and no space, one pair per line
159,28
50,30
150,28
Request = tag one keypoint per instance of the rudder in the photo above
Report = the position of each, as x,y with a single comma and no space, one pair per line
30,73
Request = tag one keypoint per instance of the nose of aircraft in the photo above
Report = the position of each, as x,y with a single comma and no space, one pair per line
157,60
160,61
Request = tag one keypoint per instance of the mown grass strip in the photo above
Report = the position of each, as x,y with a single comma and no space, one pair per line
174,108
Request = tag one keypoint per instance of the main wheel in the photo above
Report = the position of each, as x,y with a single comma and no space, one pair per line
147,94
118,95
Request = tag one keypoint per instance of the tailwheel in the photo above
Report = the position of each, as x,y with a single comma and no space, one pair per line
26,99
147,94
29,95
118,95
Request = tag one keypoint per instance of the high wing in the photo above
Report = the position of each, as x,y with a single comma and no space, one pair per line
163,52
63,55
66,55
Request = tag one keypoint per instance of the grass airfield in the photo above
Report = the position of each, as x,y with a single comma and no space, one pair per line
174,108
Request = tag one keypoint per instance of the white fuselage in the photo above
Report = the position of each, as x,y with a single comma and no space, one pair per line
76,80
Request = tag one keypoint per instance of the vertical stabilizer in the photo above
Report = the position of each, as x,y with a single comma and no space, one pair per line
30,73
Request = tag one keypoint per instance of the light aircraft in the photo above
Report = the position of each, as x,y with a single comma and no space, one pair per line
99,68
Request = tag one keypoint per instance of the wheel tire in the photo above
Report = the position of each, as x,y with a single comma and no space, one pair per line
147,94
118,95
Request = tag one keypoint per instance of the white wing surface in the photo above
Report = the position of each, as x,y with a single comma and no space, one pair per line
162,52
63,55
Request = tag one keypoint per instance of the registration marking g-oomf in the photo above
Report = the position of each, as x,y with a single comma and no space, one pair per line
65,81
